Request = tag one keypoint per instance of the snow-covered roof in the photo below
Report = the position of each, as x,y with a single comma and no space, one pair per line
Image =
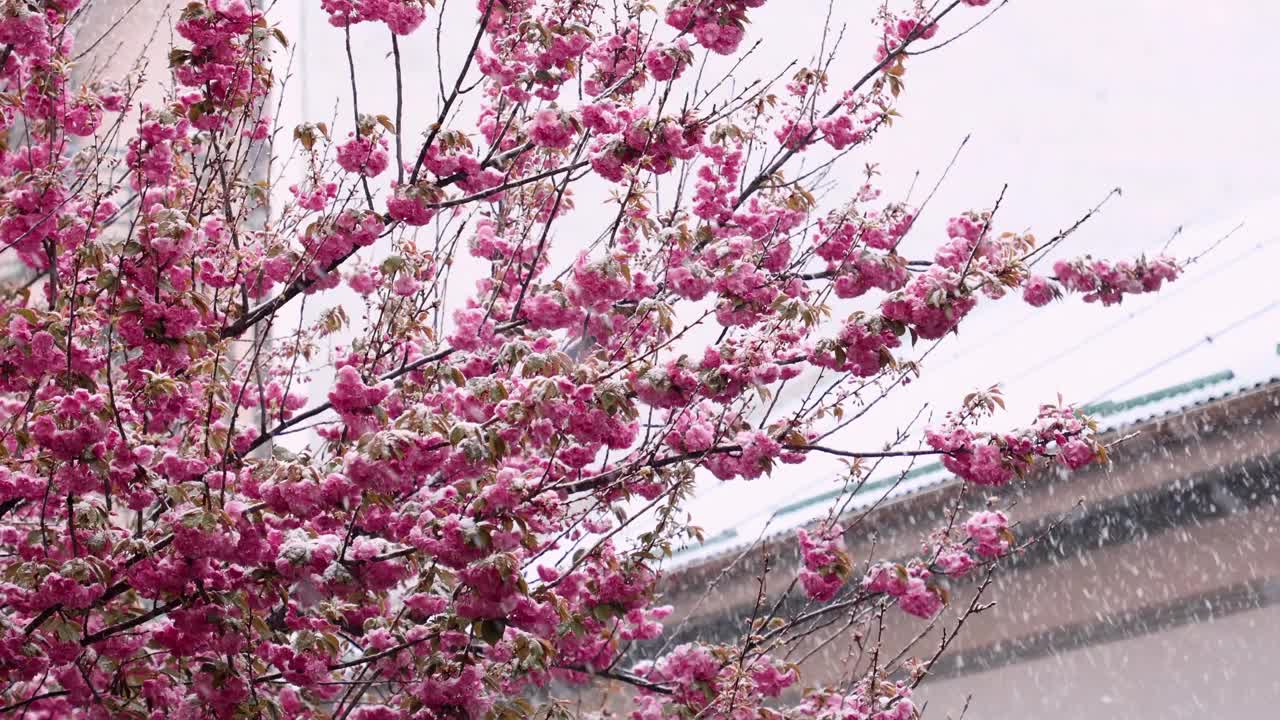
1175,399
1113,415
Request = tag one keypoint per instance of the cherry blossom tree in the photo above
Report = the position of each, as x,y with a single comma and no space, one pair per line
481,516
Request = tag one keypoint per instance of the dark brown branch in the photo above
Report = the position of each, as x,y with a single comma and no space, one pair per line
453,96
592,483
622,677
787,154
32,699
112,592
131,623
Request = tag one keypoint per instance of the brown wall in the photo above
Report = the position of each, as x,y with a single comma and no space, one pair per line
1223,668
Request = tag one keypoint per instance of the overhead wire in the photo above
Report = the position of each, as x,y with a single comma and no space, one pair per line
1209,338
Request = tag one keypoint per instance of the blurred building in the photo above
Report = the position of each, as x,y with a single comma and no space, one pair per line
115,41
1155,595
119,38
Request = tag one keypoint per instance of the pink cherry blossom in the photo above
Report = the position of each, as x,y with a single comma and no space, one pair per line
373,421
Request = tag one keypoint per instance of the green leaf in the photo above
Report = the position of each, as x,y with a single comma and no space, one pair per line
491,631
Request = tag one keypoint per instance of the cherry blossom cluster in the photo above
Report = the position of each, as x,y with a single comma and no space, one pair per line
719,25
989,532
826,565
401,16
863,347
873,701
985,458
911,586
701,679
1108,282
366,152
987,537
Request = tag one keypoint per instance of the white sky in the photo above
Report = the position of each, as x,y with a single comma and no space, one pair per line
1173,101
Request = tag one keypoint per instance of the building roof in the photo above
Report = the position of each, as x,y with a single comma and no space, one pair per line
1114,416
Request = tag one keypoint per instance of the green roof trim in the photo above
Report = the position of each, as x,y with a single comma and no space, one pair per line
806,502
869,486
727,534
922,470
1112,407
